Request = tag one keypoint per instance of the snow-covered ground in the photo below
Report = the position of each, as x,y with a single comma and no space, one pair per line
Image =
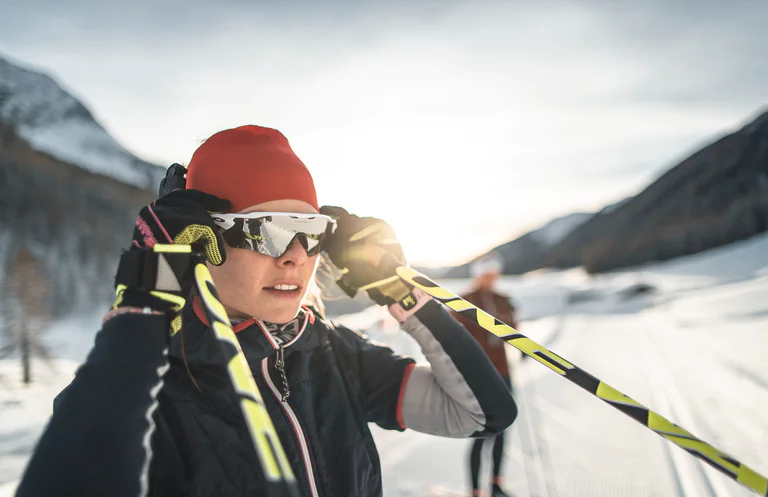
693,350
24,410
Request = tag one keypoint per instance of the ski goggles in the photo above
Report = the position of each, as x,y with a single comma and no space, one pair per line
272,233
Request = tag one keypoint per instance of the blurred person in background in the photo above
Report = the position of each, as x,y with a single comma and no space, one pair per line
152,411
485,274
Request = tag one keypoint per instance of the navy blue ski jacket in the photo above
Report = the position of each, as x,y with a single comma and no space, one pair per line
149,415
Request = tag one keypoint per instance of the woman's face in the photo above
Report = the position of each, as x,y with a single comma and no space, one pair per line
246,281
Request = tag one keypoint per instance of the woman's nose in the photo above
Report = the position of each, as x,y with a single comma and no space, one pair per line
296,255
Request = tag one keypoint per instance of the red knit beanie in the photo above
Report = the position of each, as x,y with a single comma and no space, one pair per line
250,165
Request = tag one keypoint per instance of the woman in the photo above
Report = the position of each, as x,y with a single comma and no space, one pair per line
151,415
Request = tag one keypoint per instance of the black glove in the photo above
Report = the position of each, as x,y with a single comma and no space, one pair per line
183,217
172,236
367,251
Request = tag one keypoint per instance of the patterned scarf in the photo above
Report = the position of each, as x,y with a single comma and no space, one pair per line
282,333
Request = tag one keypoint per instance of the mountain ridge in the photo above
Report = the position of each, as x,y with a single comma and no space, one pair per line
526,252
715,195
51,120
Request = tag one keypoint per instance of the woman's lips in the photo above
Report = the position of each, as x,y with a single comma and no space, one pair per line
284,294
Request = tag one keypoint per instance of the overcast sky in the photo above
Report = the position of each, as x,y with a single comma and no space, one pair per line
463,123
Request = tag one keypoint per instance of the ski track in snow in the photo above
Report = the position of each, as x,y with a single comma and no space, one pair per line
702,335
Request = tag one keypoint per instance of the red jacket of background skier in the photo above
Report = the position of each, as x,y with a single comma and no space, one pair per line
501,307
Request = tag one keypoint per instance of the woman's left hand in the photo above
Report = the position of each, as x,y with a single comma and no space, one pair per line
368,252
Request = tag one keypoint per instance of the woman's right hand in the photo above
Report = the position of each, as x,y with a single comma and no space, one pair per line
156,274
183,217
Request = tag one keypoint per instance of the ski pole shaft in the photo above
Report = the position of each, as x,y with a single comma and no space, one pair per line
278,476
721,461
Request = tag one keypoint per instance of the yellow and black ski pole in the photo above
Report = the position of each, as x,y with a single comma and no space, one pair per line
645,416
278,476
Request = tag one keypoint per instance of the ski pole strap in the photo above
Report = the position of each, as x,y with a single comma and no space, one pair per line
279,480
155,268
156,277
718,459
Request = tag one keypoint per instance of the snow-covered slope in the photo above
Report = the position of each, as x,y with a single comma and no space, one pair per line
559,228
700,299
55,122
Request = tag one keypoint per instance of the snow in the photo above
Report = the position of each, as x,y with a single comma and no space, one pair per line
55,122
25,409
693,350
84,143
559,228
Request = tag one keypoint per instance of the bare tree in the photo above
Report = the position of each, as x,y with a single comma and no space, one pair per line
25,310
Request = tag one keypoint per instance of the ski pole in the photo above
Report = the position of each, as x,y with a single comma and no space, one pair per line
721,461
278,476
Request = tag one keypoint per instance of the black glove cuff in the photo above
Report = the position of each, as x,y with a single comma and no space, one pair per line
347,286
142,300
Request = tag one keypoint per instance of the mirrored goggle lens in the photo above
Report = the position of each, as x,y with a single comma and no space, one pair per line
273,234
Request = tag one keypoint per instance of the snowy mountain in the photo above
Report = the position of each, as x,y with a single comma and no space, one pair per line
53,121
714,197
71,222
69,195
612,207
557,229
717,196
527,252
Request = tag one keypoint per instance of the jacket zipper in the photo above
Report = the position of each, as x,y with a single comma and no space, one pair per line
296,427
280,366
283,401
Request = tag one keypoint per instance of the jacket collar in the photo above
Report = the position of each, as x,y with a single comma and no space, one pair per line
197,344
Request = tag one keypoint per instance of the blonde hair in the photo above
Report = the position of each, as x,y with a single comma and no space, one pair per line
314,297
